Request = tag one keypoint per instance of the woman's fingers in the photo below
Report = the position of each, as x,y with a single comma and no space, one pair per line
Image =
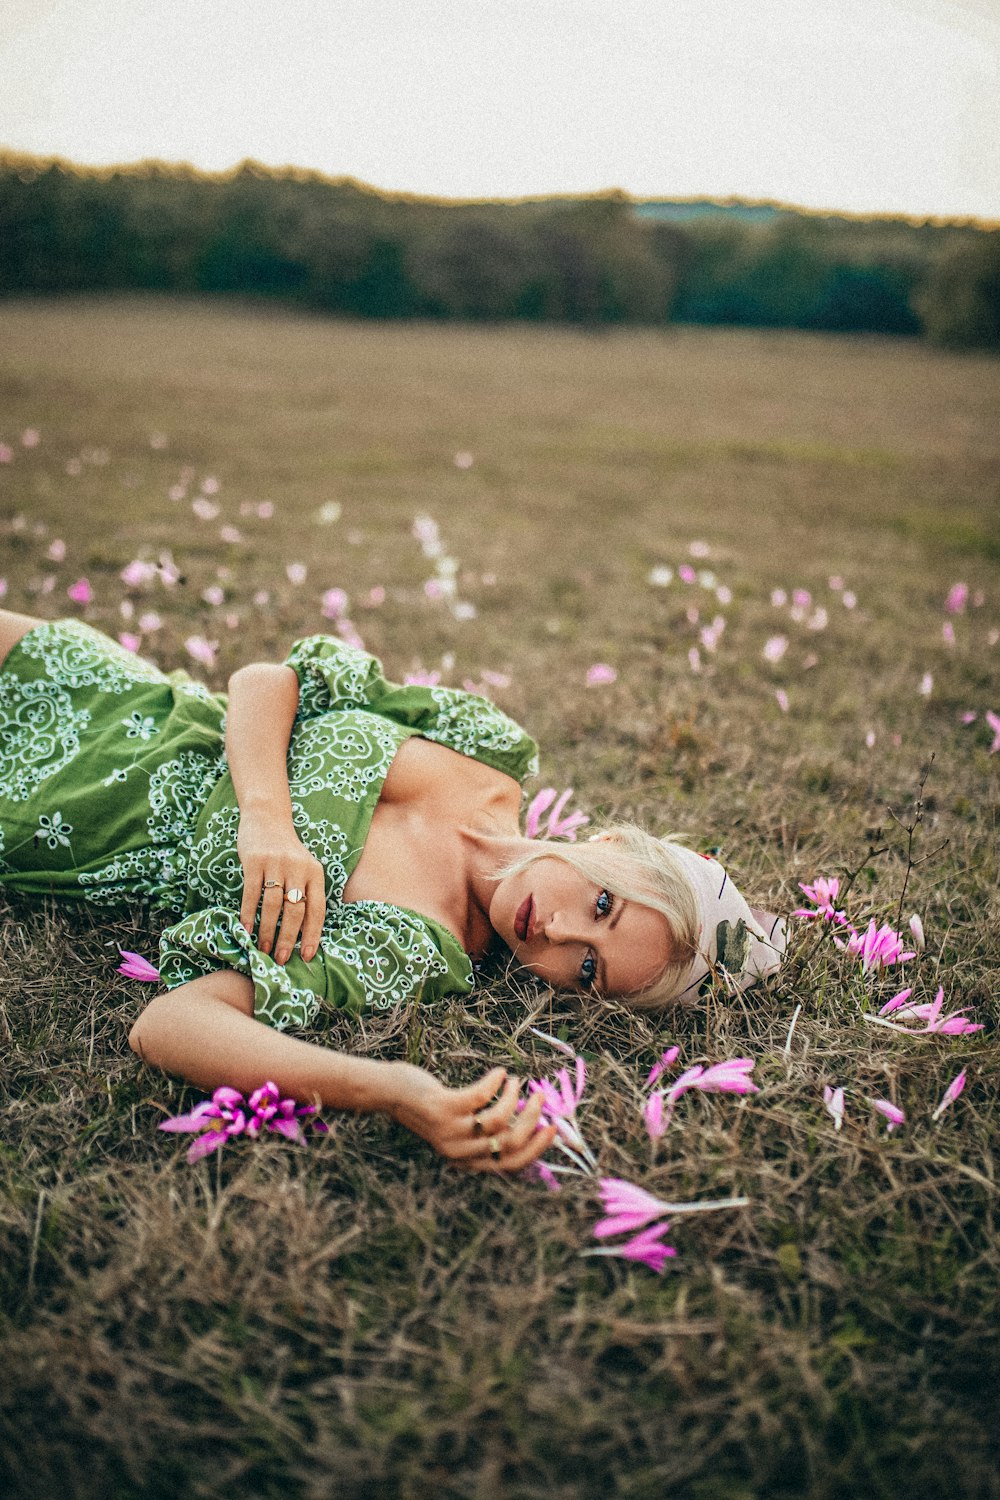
270,911
516,1159
508,1129
253,880
312,926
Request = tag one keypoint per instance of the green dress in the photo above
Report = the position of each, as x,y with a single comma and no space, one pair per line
114,789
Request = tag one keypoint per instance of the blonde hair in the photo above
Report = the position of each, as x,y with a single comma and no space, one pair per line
632,864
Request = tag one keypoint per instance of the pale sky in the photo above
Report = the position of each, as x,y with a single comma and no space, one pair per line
865,105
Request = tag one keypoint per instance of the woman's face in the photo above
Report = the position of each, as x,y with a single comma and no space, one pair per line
577,936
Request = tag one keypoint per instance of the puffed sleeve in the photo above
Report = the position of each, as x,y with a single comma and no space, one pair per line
333,675
371,956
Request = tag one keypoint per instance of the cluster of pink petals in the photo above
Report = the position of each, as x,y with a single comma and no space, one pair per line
823,894
877,948
633,1211
834,1101
953,1024
730,1077
556,826
950,1094
227,1114
134,966
893,1114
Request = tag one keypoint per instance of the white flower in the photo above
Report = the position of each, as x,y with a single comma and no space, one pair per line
53,830
139,728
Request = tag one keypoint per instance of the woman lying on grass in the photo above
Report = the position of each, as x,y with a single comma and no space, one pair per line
339,841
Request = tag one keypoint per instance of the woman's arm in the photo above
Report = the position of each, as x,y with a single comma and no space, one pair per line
205,1031
262,702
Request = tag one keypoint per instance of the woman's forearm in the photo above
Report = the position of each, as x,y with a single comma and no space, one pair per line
205,1032
263,699
262,702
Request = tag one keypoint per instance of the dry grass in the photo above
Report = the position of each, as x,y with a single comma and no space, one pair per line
357,1319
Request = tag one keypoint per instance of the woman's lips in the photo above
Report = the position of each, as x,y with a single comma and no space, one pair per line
522,921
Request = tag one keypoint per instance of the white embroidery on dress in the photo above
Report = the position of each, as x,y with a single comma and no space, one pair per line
333,675
468,724
39,731
53,831
75,655
342,753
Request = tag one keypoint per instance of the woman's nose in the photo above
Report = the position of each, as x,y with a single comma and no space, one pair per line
559,928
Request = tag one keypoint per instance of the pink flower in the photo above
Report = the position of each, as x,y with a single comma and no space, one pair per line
834,1101
721,1078
917,930
627,1206
823,893
782,699
334,604
894,1116
349,635
201,650
878,947
31,437
215,1121
775,647
226,1115
463,460
129,641
149,621
545,1174
666,1061
948,633
136,573
647,1248
926,685
849,599
57,551
652,1114
421,678
6,453
694,659
296,572
779,598
993,720
957,599
81,592
210,485
686,573
802,598
214,595
836,583
205,510
134,966
600,674
953,1024
950,1094
557,827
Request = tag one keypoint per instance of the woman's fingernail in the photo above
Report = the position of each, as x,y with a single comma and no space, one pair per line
281,956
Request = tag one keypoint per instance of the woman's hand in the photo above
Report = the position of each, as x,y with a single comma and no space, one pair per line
270,850
465,1126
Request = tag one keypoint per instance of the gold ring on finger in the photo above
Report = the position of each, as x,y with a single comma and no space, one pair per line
294,896
495,1147
270,885
477,1125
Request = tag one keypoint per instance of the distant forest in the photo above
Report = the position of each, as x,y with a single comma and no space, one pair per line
339,246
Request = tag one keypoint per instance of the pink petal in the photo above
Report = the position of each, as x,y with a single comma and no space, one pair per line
206,1144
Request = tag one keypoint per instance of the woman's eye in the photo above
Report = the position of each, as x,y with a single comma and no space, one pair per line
588,969
604,903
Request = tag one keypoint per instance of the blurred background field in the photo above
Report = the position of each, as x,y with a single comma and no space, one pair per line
358,1319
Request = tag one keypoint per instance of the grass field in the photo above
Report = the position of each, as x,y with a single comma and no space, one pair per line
354,1318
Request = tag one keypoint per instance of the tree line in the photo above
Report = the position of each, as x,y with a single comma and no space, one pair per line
342,247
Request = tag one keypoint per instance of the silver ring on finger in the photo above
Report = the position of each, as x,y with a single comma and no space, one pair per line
294,896
495,1147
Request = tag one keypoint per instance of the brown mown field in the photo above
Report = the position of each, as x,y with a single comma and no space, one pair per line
355,1318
